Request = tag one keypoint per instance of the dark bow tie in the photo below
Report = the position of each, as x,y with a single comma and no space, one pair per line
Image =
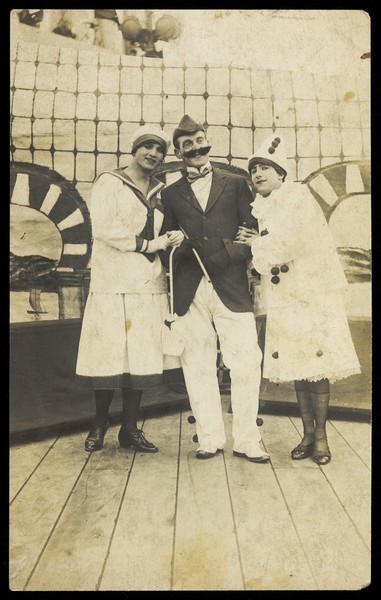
193,175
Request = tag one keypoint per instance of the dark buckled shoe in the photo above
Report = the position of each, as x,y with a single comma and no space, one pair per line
321,457
302,451
135,439
94,440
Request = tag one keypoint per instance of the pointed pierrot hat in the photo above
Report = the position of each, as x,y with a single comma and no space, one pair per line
150,133
187,126
272,152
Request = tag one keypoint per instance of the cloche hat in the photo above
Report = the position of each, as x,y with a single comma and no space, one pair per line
152,134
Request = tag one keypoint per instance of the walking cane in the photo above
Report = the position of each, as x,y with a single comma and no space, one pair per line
191,418
197,256
172,342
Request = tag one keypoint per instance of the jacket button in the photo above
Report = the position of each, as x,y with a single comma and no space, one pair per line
319,353
284,268
205,237
264,232
275,355
275,271
255,273
275,279
204,217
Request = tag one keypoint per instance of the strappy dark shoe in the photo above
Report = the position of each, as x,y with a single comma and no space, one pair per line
135,439
321,457
94,440
302,451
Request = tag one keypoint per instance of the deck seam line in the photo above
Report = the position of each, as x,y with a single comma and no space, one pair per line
348,444
292,519
98,584
55,524
32,473
345,510
235,527
176,503
334,491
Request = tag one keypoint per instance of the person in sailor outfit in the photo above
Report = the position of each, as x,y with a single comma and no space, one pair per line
208,204
120,343
308,340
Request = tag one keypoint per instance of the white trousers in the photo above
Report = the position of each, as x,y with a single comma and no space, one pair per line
208,316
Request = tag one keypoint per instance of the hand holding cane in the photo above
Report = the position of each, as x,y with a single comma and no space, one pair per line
197,256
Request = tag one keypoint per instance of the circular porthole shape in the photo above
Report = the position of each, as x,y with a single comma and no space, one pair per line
41,190
343,191
333,184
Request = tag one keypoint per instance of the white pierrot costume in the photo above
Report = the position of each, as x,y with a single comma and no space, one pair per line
307,332
127,302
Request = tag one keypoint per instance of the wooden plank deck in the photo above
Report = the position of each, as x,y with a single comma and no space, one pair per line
120,520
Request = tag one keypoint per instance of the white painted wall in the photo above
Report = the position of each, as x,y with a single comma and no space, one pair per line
328,41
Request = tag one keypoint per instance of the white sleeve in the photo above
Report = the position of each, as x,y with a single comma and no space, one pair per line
288,234
107,225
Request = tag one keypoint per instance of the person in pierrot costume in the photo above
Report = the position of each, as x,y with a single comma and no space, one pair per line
209,204
307,340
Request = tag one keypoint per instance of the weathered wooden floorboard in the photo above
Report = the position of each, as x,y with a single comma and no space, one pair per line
81,538
112,521
358,437
338,556
35,511
350,479
206,552
141,552
23,460
272,555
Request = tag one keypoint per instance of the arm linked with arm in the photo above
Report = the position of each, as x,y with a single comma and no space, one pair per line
236,253
286,236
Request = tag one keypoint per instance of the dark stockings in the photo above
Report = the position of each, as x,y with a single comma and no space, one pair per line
131,404
306,411
103,399
319,393
313,401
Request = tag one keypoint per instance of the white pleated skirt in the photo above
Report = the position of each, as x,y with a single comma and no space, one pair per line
120,343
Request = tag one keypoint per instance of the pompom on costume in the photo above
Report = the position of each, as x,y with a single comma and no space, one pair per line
307,332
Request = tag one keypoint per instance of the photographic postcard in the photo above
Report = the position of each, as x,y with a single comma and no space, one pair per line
82,81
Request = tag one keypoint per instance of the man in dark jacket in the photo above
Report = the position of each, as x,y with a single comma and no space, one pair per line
209,205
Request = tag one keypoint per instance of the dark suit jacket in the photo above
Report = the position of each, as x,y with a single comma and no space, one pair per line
215,229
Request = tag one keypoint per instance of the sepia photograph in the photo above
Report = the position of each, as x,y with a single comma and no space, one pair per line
190,300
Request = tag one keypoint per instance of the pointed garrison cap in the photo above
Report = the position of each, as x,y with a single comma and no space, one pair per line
272,151
187,126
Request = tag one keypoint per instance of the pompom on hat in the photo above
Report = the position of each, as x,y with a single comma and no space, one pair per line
186,126
149,133
272,152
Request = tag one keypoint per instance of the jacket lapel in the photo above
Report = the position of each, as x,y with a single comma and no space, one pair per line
185,190
218,184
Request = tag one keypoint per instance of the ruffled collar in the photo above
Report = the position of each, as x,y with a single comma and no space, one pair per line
263,206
